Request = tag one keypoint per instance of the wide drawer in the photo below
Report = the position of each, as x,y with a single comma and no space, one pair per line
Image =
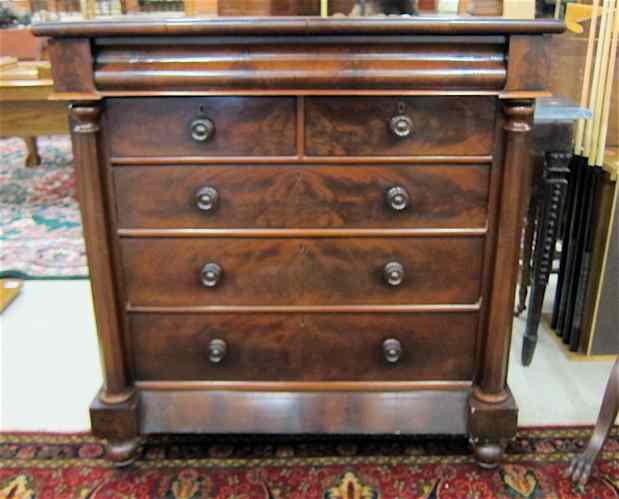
181,126
302,197
399,126
323,271
310,347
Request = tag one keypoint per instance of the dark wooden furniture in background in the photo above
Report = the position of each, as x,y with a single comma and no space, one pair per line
585,314
551,152
291,243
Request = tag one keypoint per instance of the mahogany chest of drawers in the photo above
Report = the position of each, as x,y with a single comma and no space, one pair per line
302,225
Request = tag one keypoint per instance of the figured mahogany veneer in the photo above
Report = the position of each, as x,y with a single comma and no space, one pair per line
302,225
264,63
162,127
348,412
166,272
298,347
360,126
290,196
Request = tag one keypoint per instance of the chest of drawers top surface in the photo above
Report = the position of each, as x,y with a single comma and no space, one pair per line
302,225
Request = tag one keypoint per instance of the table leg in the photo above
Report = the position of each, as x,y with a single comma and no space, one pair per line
554,189
32,158
527,247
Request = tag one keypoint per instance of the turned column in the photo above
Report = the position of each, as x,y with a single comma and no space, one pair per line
493,415
90,172
492,387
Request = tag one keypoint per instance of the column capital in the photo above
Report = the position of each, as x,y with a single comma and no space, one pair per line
519,115
85,118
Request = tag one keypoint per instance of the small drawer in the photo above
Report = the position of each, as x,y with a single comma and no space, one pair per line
429,196
202,126
321,271
310,347
399,126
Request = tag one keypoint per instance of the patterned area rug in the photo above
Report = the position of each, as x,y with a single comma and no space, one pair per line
192,467
40,228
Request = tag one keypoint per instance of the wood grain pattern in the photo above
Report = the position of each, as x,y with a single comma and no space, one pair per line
285,26
521,74
303,150
304,348
275,63
302,197
32,118
254,126
419,411
166,272
92,192
488,269
359,126
235,8
72,65
517,125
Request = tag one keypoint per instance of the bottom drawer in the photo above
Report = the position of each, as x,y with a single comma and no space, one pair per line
304,347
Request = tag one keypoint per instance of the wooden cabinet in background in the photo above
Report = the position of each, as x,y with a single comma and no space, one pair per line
566,55
269,8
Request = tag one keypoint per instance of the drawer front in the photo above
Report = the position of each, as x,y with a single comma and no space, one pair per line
302,197
311,347
179,126
323,271
392,126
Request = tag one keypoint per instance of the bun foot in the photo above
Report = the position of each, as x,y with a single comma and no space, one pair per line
122,453
488,455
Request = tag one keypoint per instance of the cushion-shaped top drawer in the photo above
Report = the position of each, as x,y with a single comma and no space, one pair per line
202,126
304,347
399,126
302,196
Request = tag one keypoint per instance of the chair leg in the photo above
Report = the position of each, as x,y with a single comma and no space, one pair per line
527,246
555,186
32,158
580,468
529,341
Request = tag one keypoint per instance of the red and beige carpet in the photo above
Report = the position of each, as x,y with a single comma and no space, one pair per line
40,228
191,467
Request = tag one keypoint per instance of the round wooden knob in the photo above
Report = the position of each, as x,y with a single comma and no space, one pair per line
202,129
401,126
217,350
392,350
207,199
398,198
211,275
394,273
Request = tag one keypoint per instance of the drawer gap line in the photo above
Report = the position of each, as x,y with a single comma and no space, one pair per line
302,386
301,233
297,159
302,309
